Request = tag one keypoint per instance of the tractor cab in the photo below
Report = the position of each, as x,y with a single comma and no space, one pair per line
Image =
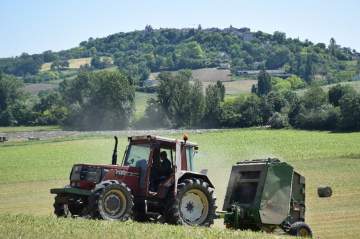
158,161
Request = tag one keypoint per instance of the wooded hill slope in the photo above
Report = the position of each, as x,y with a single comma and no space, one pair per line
151,50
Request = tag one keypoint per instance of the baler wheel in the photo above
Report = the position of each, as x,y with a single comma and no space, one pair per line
300,229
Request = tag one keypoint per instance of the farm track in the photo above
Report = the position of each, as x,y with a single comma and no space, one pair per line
45,135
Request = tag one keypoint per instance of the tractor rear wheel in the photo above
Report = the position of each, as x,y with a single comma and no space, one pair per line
300,229
61,209
193,205
115,202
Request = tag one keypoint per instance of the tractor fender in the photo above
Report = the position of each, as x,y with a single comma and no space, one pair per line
186,175
168,184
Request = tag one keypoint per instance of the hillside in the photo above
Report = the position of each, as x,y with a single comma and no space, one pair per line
152,50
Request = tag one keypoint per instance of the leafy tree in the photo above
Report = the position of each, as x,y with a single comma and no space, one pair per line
324,118
180,105
276,101
100,100
278,121
280,37
277,58
337,92
296,82
50,110
264,83
182,102
166,84
350,111
49,56
253,89
251,111
26,65
11,97
197,102
155,116
280,85
97,63
308,70
230,115
212,106
221,89
59,65
332,46
314,98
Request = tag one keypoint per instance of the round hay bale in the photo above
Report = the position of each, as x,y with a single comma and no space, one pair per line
324,191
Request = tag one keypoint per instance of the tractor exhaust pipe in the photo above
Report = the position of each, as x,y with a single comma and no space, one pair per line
114,156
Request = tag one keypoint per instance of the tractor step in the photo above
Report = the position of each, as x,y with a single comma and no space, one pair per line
76,191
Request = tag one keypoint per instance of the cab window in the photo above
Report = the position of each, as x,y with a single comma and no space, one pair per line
137,154
190,158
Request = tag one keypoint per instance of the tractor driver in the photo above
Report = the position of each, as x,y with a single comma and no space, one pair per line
161,171
165,165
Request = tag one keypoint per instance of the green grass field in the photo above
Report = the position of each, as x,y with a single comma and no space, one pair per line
29,169
140,103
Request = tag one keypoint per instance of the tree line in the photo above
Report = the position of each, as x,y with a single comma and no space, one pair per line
93,100
105,100
181,103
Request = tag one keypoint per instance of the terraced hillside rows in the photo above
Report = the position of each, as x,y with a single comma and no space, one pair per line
29,169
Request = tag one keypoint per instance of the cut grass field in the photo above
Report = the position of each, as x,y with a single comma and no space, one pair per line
235,88
234,85
29,169
73,63
29,227
205,74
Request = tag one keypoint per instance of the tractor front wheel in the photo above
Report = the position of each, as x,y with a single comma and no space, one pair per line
115,202
193,205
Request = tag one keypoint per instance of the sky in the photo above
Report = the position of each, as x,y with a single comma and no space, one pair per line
34,26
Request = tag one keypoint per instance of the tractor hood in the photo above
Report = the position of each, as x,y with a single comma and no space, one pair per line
88,175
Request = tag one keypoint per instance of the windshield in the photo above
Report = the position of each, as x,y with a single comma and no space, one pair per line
137,155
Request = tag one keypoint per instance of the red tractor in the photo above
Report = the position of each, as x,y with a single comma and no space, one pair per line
155,181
